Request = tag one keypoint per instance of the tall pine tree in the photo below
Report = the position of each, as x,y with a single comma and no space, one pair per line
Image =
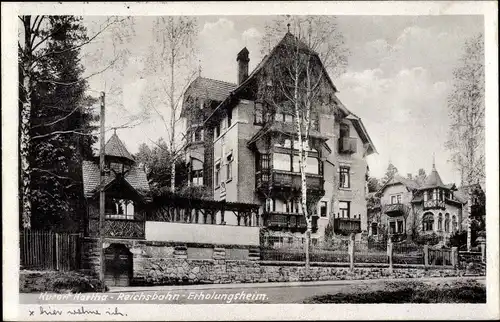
60,127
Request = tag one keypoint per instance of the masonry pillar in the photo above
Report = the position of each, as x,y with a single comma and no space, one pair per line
389,254
482,244
454,257
351,251
426,256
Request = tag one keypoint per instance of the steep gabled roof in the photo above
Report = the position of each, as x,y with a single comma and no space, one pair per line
135,177
115,148
208,88
288,40
410,184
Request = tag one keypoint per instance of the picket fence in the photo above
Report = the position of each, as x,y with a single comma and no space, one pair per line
46,250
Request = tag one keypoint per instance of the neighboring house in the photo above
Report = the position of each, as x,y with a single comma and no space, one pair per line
246,154
408,208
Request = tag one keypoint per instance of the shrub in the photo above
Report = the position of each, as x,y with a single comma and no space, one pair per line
58,282
410,292
430,239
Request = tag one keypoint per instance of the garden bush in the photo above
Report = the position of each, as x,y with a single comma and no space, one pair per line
58,282
468,291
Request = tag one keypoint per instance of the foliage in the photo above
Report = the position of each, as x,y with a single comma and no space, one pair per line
329,231
59,107
157,163
459,237
389,174
409,292
467,112
421,176
170,64
195,192
427,239
58,282
54,117
373,184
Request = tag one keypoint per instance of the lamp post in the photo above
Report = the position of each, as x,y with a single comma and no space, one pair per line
101,191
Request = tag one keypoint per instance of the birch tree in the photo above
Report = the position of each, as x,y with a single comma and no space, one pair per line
171,70
297,83
466,112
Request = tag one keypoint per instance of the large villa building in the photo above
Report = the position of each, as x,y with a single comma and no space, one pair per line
408,207
244,150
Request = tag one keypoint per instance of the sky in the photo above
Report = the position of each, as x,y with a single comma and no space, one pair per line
399,75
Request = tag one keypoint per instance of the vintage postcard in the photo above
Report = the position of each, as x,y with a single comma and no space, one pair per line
250,160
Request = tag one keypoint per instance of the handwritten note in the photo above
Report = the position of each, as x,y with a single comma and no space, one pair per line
81,310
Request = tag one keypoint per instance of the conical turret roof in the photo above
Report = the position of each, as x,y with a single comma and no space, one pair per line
434,179
115,148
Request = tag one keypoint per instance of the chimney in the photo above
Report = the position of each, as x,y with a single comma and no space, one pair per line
242,59
409,176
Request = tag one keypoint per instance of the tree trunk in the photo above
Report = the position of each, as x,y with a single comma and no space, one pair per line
172,120
24,151
24,128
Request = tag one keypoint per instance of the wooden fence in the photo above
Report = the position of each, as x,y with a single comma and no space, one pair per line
45,250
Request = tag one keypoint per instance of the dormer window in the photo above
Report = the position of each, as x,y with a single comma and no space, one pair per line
258,114
344,130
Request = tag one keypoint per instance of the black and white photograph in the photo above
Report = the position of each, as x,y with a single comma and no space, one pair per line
253,154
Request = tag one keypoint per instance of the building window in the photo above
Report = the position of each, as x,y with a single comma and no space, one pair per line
344,130
344,209
400,226
440,222
323,208
197,177
392,227
345,181
454,223
447,223
428,222
229,117
282,161
229,167
396,199
312,165
217,174
258,116
198,135
374,229
314,122
217,130
119,208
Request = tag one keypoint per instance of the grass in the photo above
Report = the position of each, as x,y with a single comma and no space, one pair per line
58,282
467,291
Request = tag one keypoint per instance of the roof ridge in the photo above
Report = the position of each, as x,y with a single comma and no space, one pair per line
220,81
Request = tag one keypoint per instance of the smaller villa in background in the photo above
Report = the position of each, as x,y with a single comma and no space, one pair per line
408,208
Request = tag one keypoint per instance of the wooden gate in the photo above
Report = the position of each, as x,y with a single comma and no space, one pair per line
118,265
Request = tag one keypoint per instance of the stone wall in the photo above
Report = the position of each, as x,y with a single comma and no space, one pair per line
184,271
163,263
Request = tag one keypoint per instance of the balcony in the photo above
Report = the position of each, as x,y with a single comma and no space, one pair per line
434,204
394,210
119,228
346,226
347,145
287,180
291,221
